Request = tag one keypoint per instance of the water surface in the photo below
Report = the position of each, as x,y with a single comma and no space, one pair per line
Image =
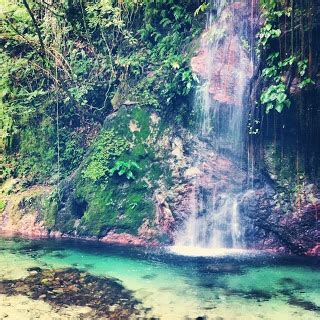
253,286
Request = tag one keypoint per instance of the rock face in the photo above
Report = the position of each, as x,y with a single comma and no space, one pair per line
150,209
230,63
272,223
129,239
290,226
296,230
22,214
215,173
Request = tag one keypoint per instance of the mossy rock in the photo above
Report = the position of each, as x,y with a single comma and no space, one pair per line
3,204
109,201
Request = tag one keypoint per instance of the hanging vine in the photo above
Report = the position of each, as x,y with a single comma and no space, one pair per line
286,43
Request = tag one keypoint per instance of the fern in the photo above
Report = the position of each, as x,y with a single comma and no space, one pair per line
125,168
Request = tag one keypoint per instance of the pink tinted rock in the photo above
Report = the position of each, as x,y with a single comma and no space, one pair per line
126,239
164,217
55,234
146,231
230,68
315,251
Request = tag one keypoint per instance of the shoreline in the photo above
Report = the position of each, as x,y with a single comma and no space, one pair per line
146,245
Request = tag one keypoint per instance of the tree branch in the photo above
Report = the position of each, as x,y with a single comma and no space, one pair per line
25,3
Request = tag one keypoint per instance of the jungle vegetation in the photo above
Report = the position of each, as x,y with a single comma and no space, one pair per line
67,65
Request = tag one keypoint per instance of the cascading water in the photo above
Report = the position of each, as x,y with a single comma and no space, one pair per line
224,68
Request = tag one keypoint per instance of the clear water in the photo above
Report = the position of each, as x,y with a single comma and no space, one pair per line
228,286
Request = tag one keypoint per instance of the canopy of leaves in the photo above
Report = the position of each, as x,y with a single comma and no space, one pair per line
66,65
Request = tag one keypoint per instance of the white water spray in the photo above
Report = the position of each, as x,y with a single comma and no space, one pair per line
225,74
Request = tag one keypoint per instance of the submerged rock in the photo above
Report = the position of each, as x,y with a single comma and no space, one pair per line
70,287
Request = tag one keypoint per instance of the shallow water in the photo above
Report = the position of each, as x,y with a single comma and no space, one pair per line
229,286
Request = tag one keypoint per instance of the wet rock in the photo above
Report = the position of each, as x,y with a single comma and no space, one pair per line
224,268
164,216
21,215
126,239
304,304
69,287
315,251
232,59
289,282
280,229
177,148
192,172
259,295
55,234
149,276
34,269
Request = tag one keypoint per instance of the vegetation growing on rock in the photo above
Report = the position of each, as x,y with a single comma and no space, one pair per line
64,74
96,103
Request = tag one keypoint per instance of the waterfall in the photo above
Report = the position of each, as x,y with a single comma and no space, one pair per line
224,67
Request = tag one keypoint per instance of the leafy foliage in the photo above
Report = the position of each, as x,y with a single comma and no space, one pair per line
281,65
202,8
126,168
68,70
108,148
275,97
2,205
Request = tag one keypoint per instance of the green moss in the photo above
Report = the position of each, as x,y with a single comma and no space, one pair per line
142,117
139,152
120,122
281,165
136,209
65,224
108,147
100,214
50,210
155,172
72,152
114,202
119,206
37,155
3,204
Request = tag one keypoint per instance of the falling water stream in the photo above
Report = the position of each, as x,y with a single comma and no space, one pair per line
225,71
207,281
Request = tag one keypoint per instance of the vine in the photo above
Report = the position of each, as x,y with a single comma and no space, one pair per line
283,63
